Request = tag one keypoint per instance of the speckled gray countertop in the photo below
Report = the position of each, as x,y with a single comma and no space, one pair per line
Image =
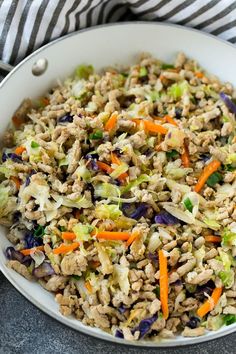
26,330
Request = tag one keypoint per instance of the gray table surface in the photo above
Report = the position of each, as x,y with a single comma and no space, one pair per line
26,330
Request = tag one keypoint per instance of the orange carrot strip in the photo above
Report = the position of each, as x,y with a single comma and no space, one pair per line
28,251
208,170
185,156
115,160
210,303
95,264
45,101
19,150
132,237
170,120
113,235
88,286
104,167
163,283
212,238
199,75
150,126
111,123
68,235
17,181
17,121
65,248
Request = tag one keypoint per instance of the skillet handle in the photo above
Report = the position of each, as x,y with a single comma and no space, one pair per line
5,66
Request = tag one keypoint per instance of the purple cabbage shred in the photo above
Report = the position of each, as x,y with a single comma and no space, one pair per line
12,156
139,212
45,269
66,119
228,102
119,334
166,218
145,326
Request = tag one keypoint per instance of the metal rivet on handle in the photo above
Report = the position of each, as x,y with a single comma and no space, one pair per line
39,67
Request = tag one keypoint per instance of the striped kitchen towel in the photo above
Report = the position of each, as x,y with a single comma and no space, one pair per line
26,25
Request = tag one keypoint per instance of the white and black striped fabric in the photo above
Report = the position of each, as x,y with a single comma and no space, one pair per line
26,25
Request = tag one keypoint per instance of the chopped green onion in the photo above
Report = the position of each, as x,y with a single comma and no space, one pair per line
157,291
62,228
98,134
76,277
83,71
143,71
39,231
172,154
229,167
125,74
167,66
225,119
229,319
188,204
215,178
34,144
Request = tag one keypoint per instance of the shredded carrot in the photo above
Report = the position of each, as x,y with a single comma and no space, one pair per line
210,302
17,121
212,238
104,167
66,248
163,283
185,156
111,123
17,181
115,160
208,170
45,101
88,286
158,147
28,251
19,150
151,127
170,120
199,75
70,236
132,237
113,235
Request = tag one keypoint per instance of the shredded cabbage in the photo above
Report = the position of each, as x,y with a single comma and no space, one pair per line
120,274
199,255
106,264
7,203
81,202
104,211
83,232
176,91
228,237
84,71
123,167
106,190
138,181
154,242
212,224
84,173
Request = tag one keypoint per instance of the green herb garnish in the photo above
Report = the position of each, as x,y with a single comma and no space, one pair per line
215,178
229,319
39,231
167,66
34,144
172,154
98,134
143,71
188,204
